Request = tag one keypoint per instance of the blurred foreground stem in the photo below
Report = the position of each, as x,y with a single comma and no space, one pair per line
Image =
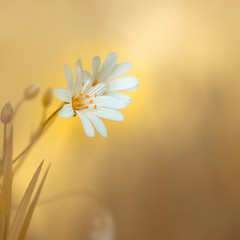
38,133
19,104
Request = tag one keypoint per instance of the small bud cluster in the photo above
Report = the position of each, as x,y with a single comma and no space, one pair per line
29,93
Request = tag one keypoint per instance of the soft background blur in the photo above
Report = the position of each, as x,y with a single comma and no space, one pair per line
171,170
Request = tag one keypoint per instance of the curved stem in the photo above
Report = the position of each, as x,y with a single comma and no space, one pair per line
76,193
41,130
25,150
51,116
19,104
66,195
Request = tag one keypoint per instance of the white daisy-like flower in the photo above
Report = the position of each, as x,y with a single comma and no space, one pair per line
110,73
87,101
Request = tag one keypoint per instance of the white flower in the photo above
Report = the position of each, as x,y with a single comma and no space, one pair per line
87,101
110,72
103,227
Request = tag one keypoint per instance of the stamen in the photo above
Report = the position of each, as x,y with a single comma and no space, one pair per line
95,82
95,95
84,107
91,101
87,96
95,106
80,94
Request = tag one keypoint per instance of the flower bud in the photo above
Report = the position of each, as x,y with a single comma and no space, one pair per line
47,98
32,91
7,113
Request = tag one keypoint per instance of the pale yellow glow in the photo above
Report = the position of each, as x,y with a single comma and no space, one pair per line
171,169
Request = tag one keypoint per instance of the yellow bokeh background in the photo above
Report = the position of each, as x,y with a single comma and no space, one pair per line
171,169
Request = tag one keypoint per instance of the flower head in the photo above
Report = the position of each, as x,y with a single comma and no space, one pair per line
103,227
88,101
109,74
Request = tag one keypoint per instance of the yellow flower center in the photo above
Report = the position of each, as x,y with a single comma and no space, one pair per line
95,82
77,102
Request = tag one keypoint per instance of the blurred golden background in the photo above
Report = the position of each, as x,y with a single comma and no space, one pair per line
171,170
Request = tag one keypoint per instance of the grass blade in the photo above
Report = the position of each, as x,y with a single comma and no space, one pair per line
29,214
21,211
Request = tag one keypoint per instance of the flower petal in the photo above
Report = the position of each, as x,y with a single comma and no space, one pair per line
108,113
126,83
119,70
111,102
63,94
134,88
95,65
69,77
86,86
87,125
107,67
87,76
99,89
66,111
78,77
127,99
98,123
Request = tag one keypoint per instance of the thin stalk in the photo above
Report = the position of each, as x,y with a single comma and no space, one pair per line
4,221
7,174
26,149
44,114
51,116
68,194
19,104
4,138
4,145
41,130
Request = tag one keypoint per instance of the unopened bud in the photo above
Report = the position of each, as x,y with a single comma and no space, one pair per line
47,98
32,91
7,113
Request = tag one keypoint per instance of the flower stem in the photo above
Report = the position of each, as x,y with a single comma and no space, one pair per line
73,193
38,134
4,149
19,104
51,117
